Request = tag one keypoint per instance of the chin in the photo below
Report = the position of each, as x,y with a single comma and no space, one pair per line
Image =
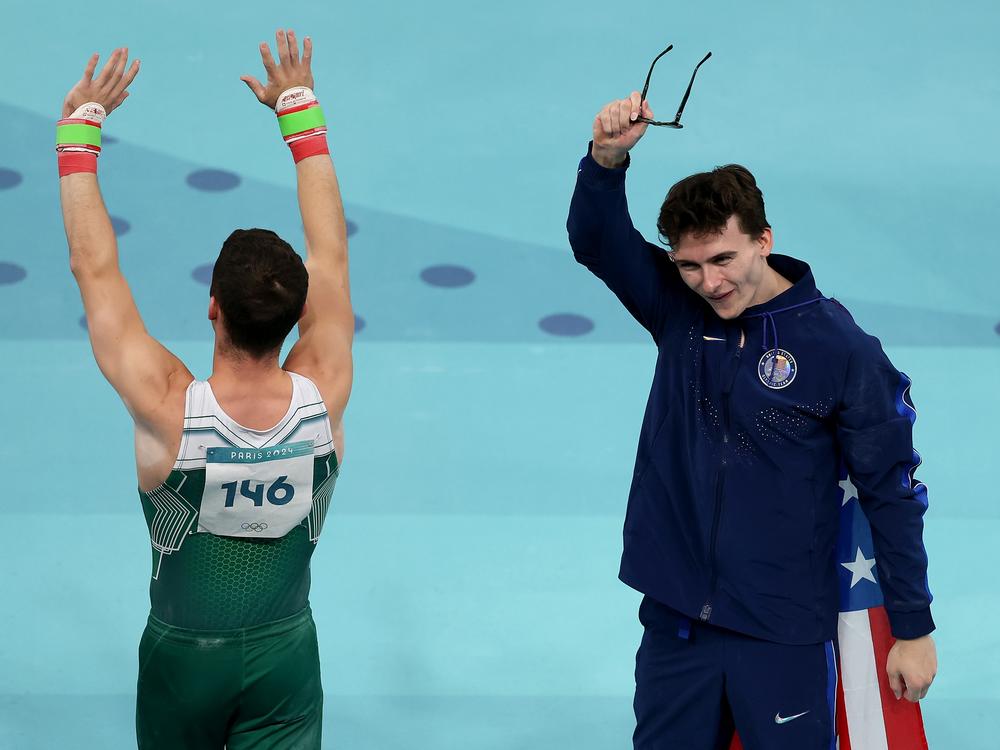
729,314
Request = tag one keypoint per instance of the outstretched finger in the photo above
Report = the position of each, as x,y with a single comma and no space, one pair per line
118,102
116,72
293,48
105,75
130,74
282,45
254,85
307,51
88,72
267,59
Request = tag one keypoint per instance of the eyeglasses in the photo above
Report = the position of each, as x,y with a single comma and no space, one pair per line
676,123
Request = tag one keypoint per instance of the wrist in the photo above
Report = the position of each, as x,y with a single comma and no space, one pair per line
609,158
78,139
302,123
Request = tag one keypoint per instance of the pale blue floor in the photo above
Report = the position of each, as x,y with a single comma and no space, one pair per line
465,586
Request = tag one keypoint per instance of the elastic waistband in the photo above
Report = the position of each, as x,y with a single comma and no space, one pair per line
236,636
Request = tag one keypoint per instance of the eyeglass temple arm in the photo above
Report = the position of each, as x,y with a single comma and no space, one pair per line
649,75
687,93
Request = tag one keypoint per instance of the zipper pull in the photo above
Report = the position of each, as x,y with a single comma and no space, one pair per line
706,612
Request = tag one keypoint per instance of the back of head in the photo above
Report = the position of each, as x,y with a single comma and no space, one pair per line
260,284
702,204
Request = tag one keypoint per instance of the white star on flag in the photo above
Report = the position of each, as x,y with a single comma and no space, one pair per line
860,569
850,491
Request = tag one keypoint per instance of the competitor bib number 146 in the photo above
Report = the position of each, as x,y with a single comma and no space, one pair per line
257,492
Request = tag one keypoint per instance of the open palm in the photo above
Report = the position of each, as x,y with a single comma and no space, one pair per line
290,71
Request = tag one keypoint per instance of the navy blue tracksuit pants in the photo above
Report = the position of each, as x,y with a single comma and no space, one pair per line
695,684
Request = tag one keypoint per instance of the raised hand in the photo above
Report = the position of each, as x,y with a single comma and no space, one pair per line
109,89
617,129
291,70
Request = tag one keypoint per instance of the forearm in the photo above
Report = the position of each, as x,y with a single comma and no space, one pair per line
89,232
599,223
322,212
897,531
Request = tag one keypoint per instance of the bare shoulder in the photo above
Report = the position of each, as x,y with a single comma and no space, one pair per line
332,375
158,433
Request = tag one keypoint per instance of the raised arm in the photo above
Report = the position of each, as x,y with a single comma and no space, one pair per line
141,370
326,330
600,229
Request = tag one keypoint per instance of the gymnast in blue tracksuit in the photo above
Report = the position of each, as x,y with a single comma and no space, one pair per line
763,389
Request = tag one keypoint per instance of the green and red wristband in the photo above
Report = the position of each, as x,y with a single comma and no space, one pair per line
302,123
78,139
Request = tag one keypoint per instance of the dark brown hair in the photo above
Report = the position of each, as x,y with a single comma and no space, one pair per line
260,284
702,204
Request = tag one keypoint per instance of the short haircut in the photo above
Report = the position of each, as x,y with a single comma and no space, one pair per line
702,204
260,284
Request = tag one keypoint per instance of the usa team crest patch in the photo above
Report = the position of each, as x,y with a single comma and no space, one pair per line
777,369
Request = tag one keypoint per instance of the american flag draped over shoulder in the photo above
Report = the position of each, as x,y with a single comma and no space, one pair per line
868,715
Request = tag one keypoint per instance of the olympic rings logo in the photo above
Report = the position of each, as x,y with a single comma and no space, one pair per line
254,526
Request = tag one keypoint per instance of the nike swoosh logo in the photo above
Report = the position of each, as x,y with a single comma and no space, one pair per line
712,338
779,719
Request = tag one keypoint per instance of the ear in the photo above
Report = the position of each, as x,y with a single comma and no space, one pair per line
765,242
213,309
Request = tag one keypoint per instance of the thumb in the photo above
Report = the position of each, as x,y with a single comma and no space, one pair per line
896,684
117,102
254,85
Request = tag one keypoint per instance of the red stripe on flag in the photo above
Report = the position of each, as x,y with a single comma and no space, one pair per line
843,730
904,726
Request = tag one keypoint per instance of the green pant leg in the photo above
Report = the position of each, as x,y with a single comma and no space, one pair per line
187,690
282,702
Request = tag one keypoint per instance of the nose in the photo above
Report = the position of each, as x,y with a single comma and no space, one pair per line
711,280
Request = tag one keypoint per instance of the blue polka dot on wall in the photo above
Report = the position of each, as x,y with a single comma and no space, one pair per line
83,322
9,178
120,226
359,323
203,274
566,324
108,140
213,180
447,276
11,273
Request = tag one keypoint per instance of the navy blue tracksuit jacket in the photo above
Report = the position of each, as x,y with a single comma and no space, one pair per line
733,512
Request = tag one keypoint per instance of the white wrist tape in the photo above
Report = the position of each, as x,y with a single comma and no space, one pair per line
91,111
297,96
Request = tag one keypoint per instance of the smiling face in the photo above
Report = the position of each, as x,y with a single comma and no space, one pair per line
727,269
